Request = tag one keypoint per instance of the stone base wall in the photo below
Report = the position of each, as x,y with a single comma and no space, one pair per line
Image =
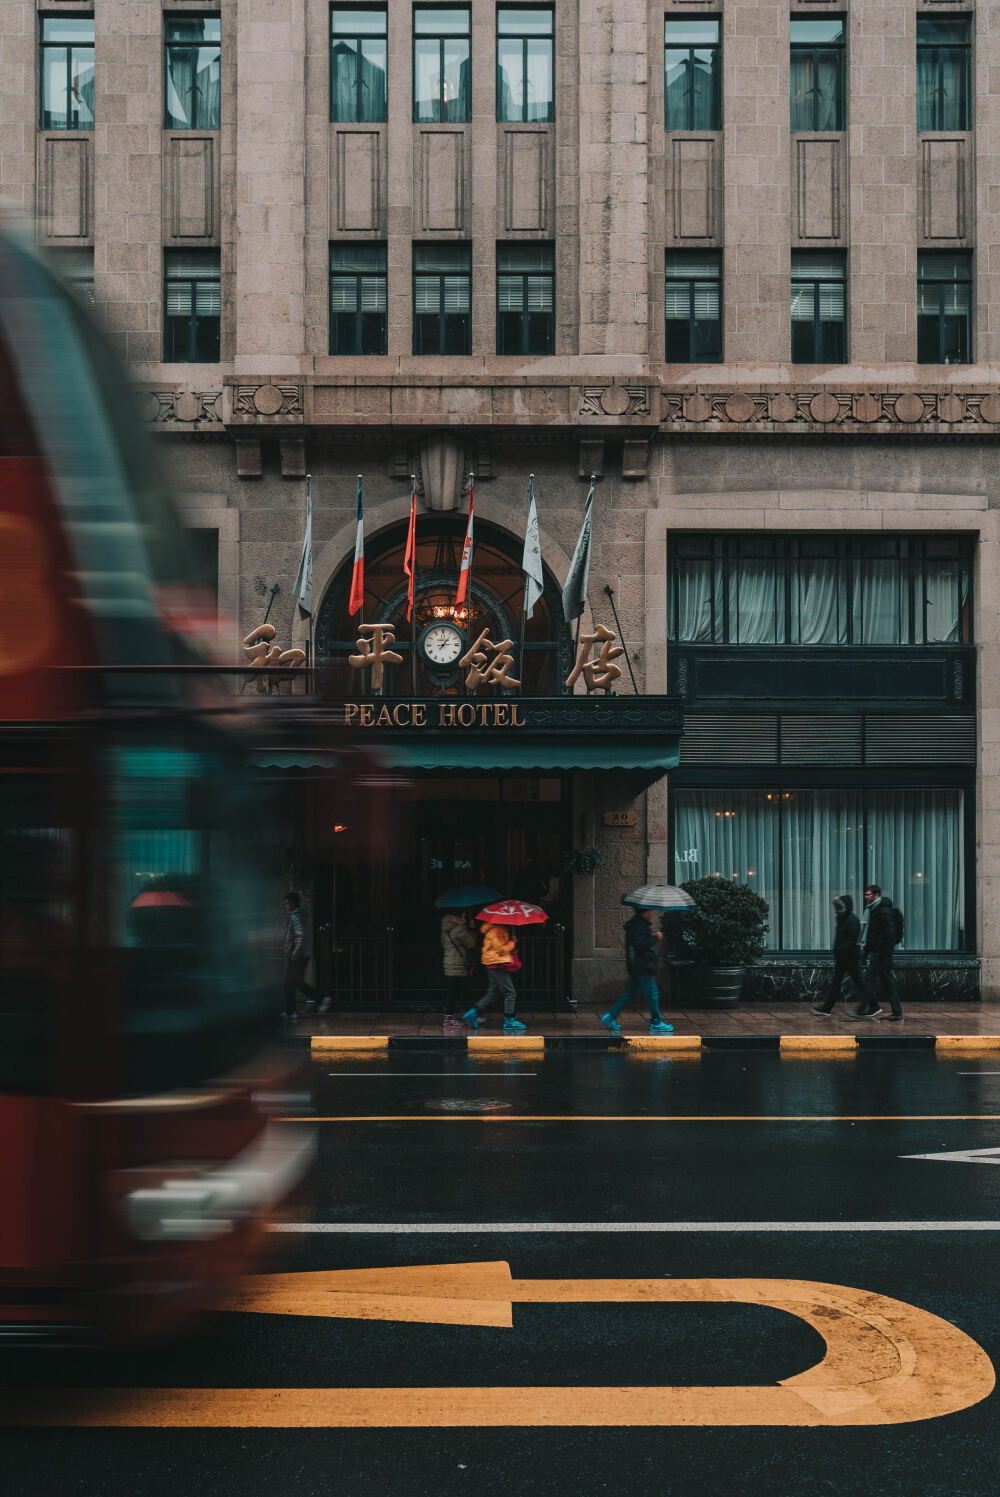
920,980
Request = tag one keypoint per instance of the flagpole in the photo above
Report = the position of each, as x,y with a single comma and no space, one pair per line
413,611
310,660
524,600
361,609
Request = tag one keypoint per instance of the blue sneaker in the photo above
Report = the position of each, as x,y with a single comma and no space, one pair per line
512,1026
658,1027
611,1024
471,1018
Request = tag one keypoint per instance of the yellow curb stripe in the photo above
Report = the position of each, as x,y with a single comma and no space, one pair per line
818,1042
968,1042
505,1042
643,1117
322,1044
663,1042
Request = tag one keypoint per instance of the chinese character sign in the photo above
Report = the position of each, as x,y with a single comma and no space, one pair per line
262,652
374,651
485,672
599,674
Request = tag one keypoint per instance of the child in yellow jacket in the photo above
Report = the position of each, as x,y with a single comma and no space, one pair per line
499,952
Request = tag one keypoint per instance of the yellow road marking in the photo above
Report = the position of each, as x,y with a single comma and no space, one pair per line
818,1042
644,1117
886,1362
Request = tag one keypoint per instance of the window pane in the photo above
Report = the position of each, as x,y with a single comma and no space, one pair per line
689,32
523,22
68,29
344,293
757,601
510,297
942,88
450,21
344,79
357,257
916,852
732,834
819,602
881,604
193,86
510,79
818,29
374,68
509,331
539,81
427,294
523,257
426,80
350,22
457,83
693,590
822,845
442,257
943,600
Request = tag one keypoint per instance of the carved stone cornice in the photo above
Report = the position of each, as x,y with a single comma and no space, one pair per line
853,410
186,409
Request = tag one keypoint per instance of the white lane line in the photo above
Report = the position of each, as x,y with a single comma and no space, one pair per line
475,1229
979,1073
441,1075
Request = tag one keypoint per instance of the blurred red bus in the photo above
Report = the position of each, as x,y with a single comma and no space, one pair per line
137,1164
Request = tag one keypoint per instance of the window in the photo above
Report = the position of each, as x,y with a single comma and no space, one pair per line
944,308
942,73
819,328
800,848
817,73
691,71
820,590
692,308
76,266
192,307
358,64
67,73
442,293
525,298
358,298
441,74
194,72
524,64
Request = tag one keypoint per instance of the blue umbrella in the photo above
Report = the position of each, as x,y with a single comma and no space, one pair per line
466,897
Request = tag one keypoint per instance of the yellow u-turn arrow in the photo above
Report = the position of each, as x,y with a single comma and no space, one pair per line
886,1362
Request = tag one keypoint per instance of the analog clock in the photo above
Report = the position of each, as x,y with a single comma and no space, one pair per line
441,645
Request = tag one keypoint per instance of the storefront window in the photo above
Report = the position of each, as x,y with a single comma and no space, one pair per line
800,848
820,591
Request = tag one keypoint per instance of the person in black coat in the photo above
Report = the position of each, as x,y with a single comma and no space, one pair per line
846,954
643,961
880,933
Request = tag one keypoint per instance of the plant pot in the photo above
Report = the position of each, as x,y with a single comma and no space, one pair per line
717,987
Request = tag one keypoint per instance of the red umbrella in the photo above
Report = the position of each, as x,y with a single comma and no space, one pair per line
159,897
512,912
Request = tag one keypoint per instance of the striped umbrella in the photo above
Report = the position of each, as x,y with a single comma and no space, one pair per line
659,897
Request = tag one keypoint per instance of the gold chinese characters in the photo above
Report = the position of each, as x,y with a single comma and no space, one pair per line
261,652
374,651
481,670
599,674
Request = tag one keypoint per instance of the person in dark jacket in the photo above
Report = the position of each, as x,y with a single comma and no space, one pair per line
296,954
878,942
846,954
643,961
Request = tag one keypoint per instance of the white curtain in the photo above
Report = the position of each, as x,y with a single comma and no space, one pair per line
817,617
822,843
756,601
693,581
916,853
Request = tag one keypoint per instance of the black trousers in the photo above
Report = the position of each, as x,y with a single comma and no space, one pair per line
456,994
880,977
846,964
295,982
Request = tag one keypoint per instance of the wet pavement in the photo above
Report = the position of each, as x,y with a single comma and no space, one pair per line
560,1175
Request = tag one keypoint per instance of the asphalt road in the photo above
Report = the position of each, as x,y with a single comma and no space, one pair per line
673,1175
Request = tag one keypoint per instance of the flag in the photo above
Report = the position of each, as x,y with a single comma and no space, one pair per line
304,575
574,597
410,554
358,575
531,561
465,569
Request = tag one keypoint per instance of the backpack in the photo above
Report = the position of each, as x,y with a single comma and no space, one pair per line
896,923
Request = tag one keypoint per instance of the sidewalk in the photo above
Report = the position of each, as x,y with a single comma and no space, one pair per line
974,1023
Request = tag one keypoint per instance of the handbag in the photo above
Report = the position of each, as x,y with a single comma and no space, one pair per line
514,965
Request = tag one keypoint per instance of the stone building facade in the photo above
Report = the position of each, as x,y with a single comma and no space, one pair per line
821,183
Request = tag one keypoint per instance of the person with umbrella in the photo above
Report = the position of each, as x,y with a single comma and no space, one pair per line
643,956
458,942
499,957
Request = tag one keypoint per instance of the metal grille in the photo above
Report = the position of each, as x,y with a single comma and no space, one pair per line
829,739
820,740
921,740
730,740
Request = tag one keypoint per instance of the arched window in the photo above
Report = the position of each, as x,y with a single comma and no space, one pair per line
495,603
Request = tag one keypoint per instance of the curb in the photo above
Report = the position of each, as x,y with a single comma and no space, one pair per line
783,1044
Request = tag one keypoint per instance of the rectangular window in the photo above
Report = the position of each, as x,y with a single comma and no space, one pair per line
693,307
442,85
194,72
358,298
800,848
67,88
819,322
359,62
817,73
944,308
442,297
525,298
192,307
524,64
76,266
691,74
820,590
942,73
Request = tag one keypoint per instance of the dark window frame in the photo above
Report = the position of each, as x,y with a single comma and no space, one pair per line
813,50
715,48
817,282
525,38
358,276
963,51
924,284
525,314
442,117
692,282
193,282
441,276
45,48
359,38
170,46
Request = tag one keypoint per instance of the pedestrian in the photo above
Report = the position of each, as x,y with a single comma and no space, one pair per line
846,954
499,957
296,954
881,933
458,942
643,960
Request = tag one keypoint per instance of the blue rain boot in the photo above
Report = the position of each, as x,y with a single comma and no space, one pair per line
610,1023
659,1027
471,1018
513,1026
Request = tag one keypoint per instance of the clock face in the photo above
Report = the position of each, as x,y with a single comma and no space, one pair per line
442,644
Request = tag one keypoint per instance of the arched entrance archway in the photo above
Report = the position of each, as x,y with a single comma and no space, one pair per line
495,603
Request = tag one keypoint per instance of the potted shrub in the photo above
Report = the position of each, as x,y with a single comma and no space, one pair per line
721,938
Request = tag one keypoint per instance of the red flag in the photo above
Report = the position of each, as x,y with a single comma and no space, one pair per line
410,554
358,575
465,570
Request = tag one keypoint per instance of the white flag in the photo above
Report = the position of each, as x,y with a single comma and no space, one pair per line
574,598
531,561
304,575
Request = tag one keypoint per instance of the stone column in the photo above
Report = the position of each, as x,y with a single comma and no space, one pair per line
18,115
